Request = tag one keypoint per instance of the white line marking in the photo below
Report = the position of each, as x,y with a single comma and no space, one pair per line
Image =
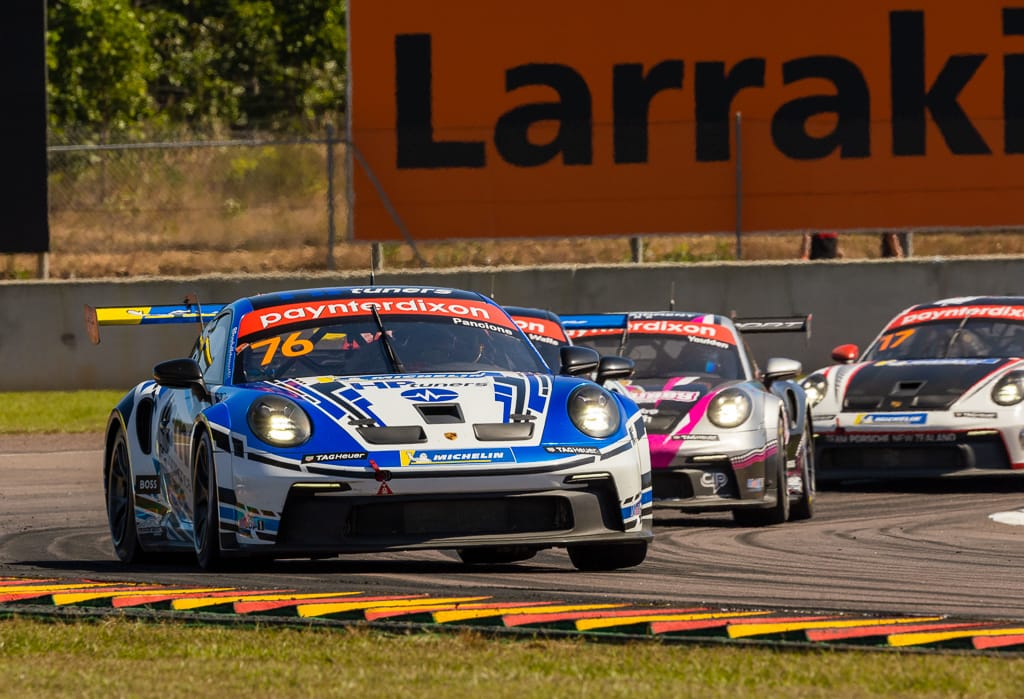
1012,517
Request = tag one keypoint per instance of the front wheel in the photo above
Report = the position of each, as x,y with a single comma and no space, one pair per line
121,504
804,507
591,557
205,512
779,512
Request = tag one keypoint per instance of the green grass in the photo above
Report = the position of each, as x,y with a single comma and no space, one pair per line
56,411
118,657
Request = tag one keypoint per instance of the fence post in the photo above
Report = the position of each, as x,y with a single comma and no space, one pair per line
386,201
739,186
636,249
907,242
330,195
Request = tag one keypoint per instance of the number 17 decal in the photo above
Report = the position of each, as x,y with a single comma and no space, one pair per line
893,340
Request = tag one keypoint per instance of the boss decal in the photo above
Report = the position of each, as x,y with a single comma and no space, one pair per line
147,485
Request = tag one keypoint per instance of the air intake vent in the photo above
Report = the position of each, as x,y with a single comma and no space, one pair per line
440,413
906,388
501,431
393,435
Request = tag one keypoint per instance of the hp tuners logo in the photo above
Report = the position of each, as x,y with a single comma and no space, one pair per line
430,395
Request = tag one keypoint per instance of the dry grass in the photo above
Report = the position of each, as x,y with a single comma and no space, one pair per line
153,256
189,211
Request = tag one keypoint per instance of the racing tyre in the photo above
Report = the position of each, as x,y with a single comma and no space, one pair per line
496,554
804,507
607,556
779,512
121,504
205,511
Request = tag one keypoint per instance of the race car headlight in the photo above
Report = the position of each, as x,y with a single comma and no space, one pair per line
279,421
729,408
814,386
1010,389
594,411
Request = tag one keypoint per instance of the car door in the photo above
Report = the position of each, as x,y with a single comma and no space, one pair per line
176,411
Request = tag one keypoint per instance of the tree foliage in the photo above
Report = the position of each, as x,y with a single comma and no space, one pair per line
208,64
100,63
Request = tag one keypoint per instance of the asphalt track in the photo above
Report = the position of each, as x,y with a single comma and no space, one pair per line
879,550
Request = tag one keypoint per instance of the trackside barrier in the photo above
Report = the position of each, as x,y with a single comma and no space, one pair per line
44,344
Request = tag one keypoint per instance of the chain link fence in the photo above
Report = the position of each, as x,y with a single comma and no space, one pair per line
179,204
217,196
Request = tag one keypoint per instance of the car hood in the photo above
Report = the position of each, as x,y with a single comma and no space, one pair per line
922,384
666,401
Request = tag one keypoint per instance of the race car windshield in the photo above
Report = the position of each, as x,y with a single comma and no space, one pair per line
667,356
353,347
975,338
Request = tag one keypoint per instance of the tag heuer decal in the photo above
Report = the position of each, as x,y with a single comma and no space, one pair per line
334,456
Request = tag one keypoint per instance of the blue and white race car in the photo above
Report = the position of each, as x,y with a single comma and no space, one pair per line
939,392
723,434
320,422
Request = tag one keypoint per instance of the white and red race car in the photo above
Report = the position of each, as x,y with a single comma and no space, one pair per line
939,392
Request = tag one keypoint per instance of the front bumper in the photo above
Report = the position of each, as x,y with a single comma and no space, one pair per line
848,454
587,499
726,473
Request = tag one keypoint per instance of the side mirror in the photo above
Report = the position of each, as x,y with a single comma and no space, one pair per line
615,368
180,373
779,368
845,354
578,360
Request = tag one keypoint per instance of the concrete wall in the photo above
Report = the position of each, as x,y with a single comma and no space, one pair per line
43,344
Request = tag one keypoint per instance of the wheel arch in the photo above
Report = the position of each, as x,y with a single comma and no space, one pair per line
115,423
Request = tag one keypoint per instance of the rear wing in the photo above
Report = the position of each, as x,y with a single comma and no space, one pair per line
774,324
594,321
188,311
599,323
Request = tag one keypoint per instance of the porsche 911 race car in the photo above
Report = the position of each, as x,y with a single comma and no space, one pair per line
939,392
723,435
320,422
544,328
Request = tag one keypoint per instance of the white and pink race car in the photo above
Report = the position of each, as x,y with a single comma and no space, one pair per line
723,434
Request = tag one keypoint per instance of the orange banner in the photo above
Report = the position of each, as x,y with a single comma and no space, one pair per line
555,119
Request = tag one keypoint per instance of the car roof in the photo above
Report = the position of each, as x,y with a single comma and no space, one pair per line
528,312
972,301
367,292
